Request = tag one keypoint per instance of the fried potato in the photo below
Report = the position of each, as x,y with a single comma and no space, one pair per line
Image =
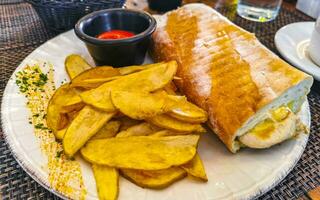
74,104
110,129
87,123
171,123
185,111
75,64
195,168
63,121
72,115
56,120
167,132
95,82
156,179
170,88
133,69
144,81
139,105
139,130
107,181
60,134
141,152
94,77
127,122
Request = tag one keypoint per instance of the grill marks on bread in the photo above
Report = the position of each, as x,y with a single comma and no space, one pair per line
208,49
234,95
225,70
183,26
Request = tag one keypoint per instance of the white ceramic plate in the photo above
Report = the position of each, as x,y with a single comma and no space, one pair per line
292,41
244,175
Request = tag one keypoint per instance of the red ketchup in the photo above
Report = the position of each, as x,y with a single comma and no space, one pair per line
115,34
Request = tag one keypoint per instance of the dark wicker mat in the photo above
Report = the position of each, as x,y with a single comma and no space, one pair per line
5,2
21,31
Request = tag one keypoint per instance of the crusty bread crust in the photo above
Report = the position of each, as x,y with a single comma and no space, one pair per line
224,69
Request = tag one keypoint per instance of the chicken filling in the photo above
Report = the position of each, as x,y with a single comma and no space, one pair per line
280,125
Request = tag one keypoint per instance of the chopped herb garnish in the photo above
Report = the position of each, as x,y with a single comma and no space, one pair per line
59,153
42,80
36,115
40,126
23,89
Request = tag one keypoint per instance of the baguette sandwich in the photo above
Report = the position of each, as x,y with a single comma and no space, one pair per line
251,95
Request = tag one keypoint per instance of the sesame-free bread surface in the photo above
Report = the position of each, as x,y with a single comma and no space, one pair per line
226,70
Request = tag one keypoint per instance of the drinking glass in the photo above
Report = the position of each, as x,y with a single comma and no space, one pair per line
259,10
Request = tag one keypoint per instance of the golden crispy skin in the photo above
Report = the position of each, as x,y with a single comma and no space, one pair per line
223,69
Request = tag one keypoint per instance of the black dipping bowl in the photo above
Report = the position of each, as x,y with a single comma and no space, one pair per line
164,5
117,52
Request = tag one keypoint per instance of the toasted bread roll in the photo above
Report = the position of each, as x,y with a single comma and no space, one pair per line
226,71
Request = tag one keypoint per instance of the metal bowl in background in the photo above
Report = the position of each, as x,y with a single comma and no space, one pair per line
62,15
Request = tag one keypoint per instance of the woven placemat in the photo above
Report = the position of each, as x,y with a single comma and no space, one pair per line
5,2
21,31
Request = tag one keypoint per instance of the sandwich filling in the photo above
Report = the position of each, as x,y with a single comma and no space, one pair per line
280,125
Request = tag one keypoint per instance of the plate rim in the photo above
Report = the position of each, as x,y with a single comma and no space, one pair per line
9,142
260,190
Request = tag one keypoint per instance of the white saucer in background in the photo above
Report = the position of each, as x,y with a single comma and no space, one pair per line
292,41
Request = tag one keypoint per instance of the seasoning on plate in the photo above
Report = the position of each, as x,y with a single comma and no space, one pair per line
36,83
115,34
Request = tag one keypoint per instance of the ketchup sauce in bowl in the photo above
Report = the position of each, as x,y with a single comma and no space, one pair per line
115,34
116,37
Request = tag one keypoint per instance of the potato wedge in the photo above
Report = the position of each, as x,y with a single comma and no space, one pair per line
107,181
63,123
74,104
110,129
144,81
75,64
139,105
133,69
167,132
171,123
71,115
60,134
170,88
195,168
127,122
94,83
156,179
87,123
94,77
185,111
141,152
142,129
56,120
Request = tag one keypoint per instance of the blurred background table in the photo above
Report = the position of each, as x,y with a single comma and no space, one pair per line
21,31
